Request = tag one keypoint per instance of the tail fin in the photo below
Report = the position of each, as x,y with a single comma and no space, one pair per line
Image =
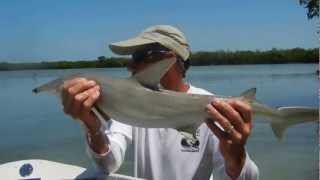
290,116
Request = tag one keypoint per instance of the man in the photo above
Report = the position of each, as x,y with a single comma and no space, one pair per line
161,153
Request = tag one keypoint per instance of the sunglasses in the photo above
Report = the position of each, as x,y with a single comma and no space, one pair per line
149,56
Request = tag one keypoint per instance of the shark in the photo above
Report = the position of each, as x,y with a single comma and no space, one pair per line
140,101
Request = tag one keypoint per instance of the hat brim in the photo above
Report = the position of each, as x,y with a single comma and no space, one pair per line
129,46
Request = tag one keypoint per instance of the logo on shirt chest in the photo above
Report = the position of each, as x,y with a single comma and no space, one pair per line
189,146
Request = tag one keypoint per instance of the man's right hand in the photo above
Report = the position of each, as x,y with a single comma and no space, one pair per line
78,97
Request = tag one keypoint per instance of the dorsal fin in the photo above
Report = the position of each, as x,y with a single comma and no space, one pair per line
151,76
249,94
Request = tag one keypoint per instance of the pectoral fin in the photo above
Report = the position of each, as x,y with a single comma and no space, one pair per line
151,76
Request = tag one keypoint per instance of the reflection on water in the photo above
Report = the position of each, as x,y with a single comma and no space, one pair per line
35,126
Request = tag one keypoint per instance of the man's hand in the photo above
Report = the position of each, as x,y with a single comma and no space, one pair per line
235,117
78,97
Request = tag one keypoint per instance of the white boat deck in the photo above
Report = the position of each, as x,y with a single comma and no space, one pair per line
37,169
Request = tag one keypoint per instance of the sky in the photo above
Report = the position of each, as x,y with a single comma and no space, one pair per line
42,30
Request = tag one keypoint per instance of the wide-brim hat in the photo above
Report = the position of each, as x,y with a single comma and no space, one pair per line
166,35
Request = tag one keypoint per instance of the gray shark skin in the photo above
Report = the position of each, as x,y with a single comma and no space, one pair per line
138,101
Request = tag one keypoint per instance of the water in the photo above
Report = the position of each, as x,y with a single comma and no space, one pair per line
34,127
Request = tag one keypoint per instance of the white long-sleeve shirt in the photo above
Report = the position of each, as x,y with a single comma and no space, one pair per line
160,155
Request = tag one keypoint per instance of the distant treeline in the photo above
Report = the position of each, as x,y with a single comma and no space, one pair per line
97,63
274,56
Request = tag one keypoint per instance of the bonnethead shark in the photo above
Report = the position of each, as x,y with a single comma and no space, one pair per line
140,101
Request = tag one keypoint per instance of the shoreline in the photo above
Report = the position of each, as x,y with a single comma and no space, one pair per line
31,69
202,58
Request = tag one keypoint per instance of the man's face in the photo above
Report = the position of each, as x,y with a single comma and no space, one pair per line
143,58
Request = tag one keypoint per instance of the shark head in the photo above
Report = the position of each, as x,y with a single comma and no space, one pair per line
53,87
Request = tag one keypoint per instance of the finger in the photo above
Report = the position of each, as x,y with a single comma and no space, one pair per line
245,111
67,84
230,113
216,130
234,135
81,86
65,90
77,103
218,117
70,102
92,98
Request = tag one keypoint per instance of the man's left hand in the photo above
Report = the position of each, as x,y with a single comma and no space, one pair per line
235,117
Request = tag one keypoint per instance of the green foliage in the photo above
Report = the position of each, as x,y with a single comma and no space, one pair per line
102,58
273,56
101,62
312,7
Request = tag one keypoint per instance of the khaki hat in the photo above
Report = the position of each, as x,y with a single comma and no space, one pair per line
166,35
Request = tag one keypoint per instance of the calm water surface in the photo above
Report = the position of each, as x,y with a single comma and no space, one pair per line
34,127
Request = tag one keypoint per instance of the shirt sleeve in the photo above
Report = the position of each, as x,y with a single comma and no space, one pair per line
118,137
249,170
